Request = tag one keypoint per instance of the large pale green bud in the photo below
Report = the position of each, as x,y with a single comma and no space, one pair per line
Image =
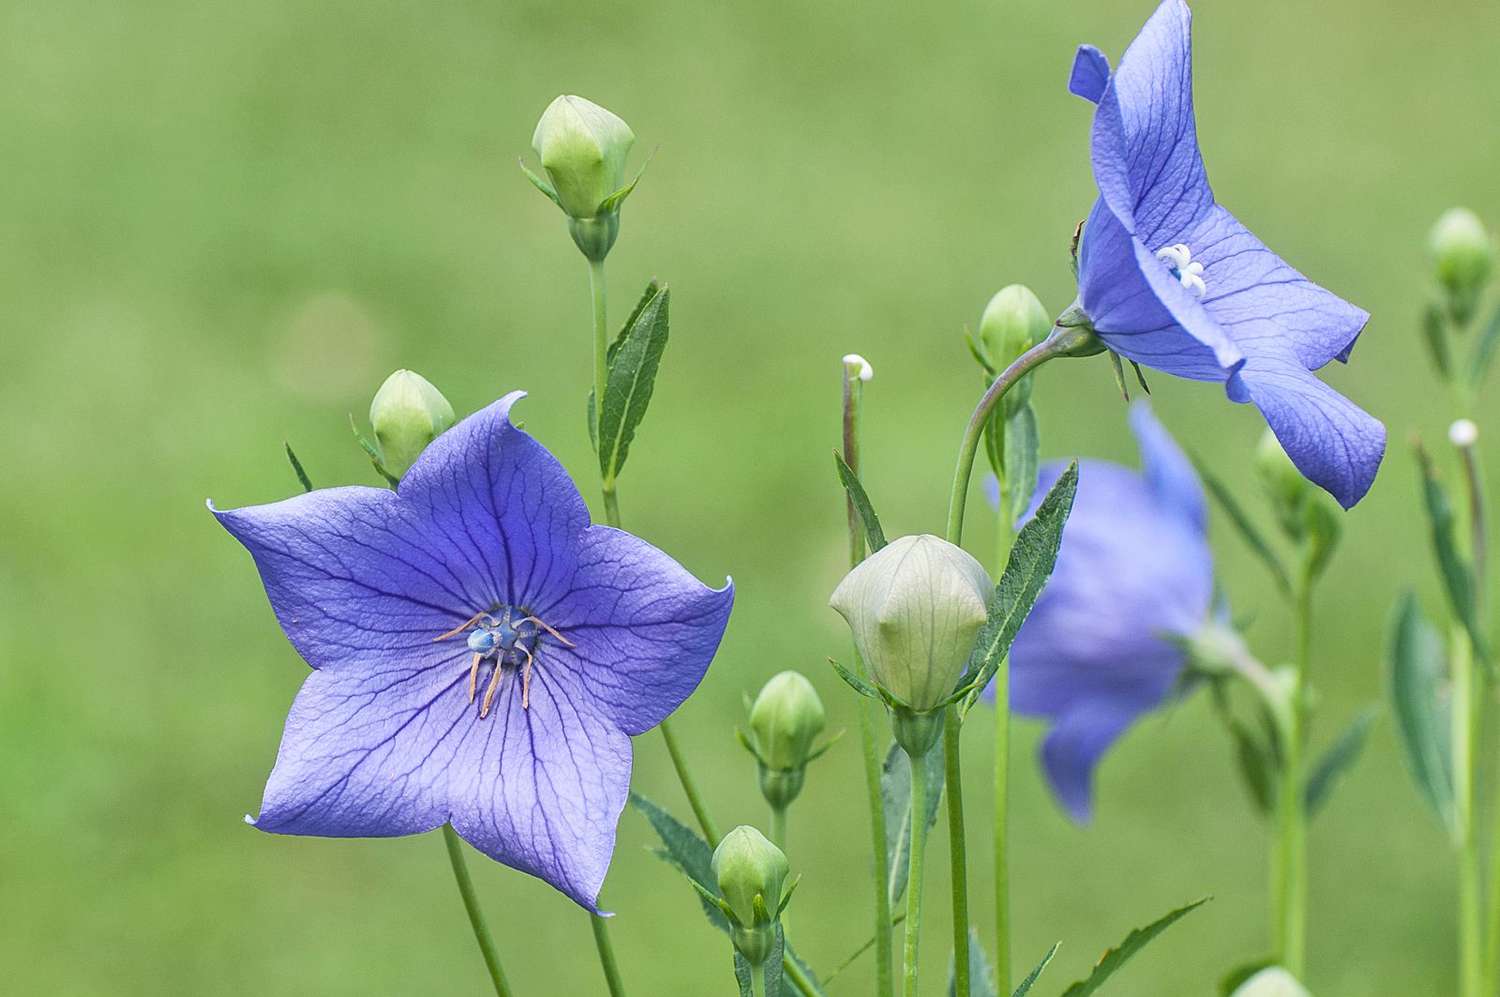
407,414
1272,982
751,873
785,719
1013,322
1463,254
915,608
583,148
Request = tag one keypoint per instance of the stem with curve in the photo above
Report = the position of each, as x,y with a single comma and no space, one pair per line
476,916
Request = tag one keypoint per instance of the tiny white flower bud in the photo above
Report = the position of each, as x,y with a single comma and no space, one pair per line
859,367
1463,433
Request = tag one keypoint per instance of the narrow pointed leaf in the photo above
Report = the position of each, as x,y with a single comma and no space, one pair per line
1257,765
297,467
1337,760
1114,958
1248,532
895,794
1484,349
1022,463
874,535
1031,977
540,183
1032,559
855,682
1435,335
1417,665
1458,577
634,359
981,974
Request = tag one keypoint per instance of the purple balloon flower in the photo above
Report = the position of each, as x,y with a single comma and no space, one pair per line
1170,279
481,654
1133,570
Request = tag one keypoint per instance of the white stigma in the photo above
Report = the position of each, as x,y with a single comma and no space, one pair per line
864,372
1463,434
1179,260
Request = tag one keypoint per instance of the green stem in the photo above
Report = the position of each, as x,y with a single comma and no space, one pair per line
778,827
869,719
1006,533
958,853
1062,341
689,786
1465,706
919,790
607,956
1291,863
476,916
758,979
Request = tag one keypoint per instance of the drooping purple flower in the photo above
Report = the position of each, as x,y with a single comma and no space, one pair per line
1134,569
481,654
1172,280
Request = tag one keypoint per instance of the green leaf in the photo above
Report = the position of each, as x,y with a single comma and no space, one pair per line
1247,529
688,853
612,203
1031,977
377,460
1322,528
874,535
1484,350
1032,558
1022,449
1458,577
856,682
1417,667
297,467
1337,760
813,987
633,360
540,183
1435,335
1115,958
981,975
895,795
1257,764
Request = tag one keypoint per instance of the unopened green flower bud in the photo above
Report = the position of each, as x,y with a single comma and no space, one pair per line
751,873
915,608
1271,982
1013,322
1463,253
407,414
583,148
1283,484
785,719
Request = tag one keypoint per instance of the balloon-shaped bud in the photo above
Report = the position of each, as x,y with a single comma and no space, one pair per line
751,873
915,608
785,719
1013,322
1463,255
407,414
583,148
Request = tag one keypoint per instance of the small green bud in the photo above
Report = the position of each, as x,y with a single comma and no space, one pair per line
785,719
751,873
915,608
1283,484
407,414
1013,322
1463,253
582,147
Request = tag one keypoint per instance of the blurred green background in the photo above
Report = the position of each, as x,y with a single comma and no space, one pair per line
225,223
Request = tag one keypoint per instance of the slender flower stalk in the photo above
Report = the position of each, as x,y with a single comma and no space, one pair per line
856,371
476,916
1006,531
1289,891
758,980
958,852
919,791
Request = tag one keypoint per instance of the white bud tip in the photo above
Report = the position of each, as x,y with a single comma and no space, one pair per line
1463,434
865,370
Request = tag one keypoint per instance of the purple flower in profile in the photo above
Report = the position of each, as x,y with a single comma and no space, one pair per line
1172,280
1134,570
481,654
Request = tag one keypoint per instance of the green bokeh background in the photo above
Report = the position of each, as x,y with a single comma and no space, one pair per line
224,223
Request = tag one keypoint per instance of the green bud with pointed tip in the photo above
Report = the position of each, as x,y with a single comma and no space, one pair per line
1463,255
1013,322
1284,486
583,148
785,719
407,414
751,873
915,608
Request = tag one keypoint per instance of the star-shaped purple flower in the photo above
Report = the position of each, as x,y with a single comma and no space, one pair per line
1172,280
481,654
1134,569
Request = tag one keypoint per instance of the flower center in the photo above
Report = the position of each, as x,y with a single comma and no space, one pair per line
503,637
1179,260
